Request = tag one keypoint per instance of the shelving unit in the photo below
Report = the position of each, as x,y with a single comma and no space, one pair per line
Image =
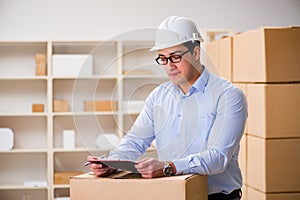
123,71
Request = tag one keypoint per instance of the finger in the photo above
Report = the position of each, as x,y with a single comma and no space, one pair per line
103,173
143,163
89,158
152,174
100,173
99,166
92,158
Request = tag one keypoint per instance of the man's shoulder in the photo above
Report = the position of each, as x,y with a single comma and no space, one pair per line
221,85
162,91
165,86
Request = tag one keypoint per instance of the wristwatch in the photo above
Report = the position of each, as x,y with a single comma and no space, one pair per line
167,169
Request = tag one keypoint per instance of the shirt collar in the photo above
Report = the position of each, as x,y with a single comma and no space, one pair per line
198,86
201,82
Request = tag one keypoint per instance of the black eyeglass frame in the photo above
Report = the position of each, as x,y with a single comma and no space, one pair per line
171,58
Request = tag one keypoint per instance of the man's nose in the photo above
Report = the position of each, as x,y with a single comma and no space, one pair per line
171,65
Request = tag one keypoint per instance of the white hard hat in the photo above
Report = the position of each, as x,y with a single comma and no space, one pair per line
174,31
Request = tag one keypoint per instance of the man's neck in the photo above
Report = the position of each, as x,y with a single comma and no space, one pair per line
186,86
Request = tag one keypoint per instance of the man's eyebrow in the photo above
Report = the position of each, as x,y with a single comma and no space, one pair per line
175,52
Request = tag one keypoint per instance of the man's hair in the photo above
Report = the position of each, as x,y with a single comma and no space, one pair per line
191,45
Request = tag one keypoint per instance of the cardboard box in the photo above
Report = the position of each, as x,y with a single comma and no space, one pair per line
185,187
72,65
212,50
40,65
243,87
273,164
253,194
220,53
60,106
243,158
273,110
90,106
37,107
64,177
267,55
244,192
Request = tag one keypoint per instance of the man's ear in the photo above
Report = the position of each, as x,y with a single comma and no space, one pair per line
196,53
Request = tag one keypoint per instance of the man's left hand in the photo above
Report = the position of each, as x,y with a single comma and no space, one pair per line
150,167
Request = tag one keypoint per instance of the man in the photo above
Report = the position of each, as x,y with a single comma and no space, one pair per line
197,119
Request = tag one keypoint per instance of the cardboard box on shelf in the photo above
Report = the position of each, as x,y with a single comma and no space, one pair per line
90,106
60,106
273,110
185,187
64,177
37,107
40,65
258,195
267,55
273,164
220,54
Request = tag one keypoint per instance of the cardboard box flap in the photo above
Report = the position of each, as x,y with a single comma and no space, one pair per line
123,174
276,27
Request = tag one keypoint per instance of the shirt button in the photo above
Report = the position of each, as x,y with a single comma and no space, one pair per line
179,115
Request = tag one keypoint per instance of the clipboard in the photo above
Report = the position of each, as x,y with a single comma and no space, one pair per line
124,165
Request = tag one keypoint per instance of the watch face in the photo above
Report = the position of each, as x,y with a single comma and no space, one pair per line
167,171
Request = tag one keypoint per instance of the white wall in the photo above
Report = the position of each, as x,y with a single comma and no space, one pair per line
99,19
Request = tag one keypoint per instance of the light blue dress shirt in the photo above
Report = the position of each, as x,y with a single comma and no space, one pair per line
199,131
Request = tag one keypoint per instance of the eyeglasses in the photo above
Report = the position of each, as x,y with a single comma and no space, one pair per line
162,60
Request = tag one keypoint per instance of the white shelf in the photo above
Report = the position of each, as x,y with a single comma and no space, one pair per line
61,186
84,113
23,77
20,187
94,77
38,114
82,150
38,136
142,76
24,151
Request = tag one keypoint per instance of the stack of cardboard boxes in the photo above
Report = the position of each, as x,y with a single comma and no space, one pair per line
265,64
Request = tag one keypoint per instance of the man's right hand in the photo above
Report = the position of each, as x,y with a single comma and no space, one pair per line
99,169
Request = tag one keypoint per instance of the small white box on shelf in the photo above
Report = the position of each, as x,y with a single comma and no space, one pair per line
133,106
35,183
62,198
6,139
68,139
72,65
